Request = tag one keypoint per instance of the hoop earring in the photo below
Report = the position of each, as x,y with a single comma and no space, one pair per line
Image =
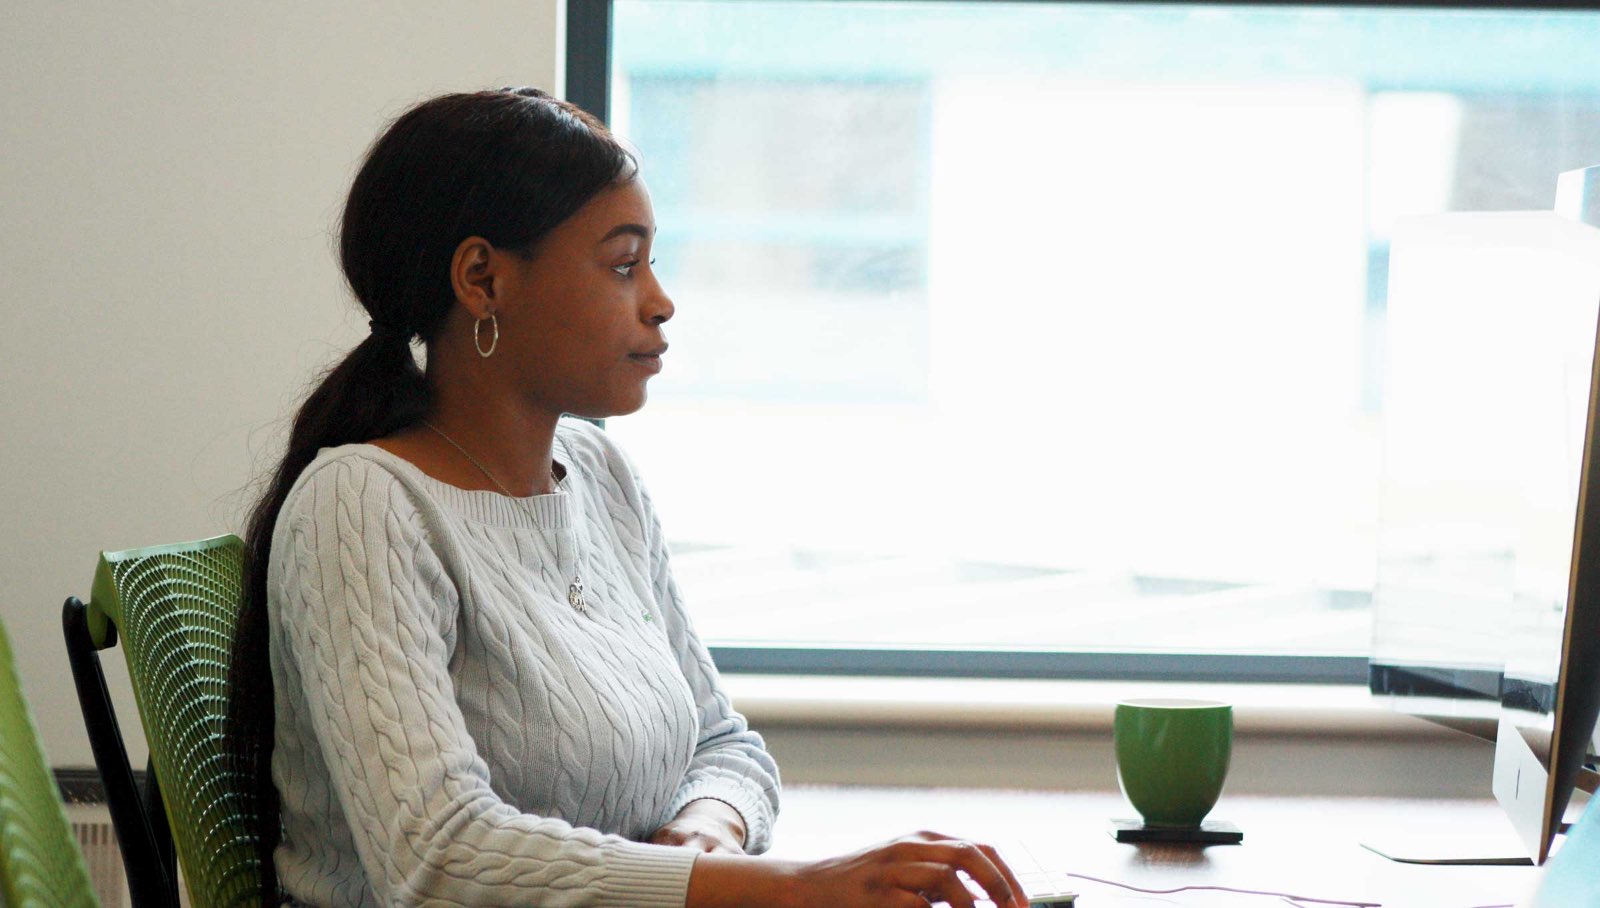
493,342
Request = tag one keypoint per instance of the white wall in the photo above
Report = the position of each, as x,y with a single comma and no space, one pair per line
170,179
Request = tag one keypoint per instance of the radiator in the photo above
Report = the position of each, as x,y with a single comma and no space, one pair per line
91,826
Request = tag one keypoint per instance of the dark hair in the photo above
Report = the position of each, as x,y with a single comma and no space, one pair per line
505,165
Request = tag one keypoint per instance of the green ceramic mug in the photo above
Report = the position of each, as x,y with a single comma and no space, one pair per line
1172,757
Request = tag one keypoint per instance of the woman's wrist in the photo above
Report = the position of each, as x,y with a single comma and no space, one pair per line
743,881
722,812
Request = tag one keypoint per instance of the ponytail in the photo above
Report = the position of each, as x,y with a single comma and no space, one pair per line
507,166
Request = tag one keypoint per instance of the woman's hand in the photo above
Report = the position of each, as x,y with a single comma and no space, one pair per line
915,871
705,825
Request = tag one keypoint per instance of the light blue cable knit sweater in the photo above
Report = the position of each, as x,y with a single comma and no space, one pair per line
451,731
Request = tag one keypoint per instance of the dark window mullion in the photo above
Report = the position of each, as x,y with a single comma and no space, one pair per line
589,56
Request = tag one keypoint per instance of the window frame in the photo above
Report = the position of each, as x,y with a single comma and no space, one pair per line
589,42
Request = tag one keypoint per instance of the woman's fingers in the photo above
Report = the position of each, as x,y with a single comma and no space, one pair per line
981,862
1011,877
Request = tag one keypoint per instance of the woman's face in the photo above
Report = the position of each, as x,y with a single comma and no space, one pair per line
581,321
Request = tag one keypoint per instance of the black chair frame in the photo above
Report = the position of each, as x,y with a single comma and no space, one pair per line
139,818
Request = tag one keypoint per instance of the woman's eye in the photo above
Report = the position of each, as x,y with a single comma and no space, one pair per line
626,268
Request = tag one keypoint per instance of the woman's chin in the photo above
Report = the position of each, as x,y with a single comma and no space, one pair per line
619,405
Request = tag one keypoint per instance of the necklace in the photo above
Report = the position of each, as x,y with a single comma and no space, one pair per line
575,587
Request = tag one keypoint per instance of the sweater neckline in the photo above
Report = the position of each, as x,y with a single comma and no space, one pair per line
549,511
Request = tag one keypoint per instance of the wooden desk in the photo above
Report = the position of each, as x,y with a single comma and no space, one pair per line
1307,847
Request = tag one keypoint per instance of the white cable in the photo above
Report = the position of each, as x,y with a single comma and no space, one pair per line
1292,899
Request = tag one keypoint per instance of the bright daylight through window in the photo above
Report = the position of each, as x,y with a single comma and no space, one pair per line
1053,326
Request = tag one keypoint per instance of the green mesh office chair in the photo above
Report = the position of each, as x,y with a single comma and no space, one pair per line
174,608
40,865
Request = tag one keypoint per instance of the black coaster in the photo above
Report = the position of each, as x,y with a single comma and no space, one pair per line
1209,832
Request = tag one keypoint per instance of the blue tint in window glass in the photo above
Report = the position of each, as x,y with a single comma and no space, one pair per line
1095,293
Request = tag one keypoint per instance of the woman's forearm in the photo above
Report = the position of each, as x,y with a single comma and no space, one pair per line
742,881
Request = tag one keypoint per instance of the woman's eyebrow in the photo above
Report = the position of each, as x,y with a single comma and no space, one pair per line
639,230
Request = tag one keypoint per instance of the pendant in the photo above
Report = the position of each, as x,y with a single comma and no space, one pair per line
575,595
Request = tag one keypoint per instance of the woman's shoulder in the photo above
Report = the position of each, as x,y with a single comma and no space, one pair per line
363,460
348,473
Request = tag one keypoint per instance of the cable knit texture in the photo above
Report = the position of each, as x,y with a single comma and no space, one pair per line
451,731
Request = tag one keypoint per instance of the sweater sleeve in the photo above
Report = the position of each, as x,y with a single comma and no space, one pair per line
365,609
731,763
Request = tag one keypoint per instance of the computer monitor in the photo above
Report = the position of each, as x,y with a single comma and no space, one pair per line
1451,498
1447,500
1550,693
1487,604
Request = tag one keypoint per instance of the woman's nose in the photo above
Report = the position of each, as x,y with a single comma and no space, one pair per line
658,306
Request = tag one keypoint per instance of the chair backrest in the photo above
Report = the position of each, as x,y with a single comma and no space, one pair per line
175,608
40,865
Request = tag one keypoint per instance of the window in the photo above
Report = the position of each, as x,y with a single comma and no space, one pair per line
1047,338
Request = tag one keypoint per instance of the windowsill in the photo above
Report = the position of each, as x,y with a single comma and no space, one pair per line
1058,706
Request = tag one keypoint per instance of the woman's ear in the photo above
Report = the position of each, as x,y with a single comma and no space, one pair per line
472,276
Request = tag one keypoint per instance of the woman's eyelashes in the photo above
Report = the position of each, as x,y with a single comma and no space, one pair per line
626,268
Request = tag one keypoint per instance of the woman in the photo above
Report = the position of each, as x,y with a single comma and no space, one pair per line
462,654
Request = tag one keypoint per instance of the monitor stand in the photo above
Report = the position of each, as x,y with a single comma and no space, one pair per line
1497,844
1454,848
1519,785
1474,846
